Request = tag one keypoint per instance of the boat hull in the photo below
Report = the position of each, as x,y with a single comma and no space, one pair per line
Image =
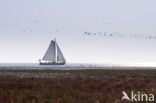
52,63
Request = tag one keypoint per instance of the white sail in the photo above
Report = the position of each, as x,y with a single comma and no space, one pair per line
60,56
50,54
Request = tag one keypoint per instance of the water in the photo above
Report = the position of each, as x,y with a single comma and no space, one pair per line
66,65
75,65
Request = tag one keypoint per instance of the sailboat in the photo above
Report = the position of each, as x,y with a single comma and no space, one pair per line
53,56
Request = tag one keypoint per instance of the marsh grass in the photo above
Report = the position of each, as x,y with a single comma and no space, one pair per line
77,72
80,86
71,90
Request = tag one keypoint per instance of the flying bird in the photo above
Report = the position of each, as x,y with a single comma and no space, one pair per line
121,35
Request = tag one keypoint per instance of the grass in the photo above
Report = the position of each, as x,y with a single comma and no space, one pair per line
81,72
80,86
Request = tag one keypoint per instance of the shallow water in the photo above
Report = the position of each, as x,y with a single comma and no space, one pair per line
74,65
66,65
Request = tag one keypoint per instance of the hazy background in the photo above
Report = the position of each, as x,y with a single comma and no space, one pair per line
27,26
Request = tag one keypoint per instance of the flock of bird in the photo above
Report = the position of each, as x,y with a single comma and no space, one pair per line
121,35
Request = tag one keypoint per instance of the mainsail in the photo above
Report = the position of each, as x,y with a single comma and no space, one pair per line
50,54
54,53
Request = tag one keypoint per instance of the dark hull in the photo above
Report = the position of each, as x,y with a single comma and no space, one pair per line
52,63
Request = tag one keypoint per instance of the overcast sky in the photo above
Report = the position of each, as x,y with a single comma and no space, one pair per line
27,26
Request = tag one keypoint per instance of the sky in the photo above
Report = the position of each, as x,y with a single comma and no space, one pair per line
28,26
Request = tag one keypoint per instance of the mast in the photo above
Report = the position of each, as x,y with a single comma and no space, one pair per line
55,51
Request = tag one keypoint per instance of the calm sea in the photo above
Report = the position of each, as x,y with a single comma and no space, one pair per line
66,65
75,65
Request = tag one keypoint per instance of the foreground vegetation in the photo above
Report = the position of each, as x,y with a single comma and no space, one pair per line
76,72
86,86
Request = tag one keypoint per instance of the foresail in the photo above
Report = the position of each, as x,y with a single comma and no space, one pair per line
50,54
60,56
